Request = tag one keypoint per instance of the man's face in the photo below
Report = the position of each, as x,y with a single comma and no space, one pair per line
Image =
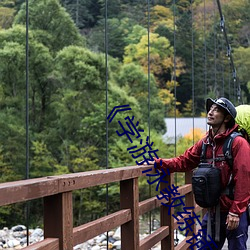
215,116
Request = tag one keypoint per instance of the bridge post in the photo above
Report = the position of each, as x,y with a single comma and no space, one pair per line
166,217
58,219
129,198
189,200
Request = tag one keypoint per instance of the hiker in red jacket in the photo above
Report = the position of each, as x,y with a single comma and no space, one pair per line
221,115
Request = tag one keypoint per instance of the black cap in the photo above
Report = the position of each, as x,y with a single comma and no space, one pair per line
223,103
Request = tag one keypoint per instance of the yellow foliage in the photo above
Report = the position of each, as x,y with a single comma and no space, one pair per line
161,15
195,134
203,114
6,17
166,96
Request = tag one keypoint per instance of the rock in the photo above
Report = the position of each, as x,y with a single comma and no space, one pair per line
117,245
111,240
38,232
100,238
18,228
13,243
3,233
111,233
117,235
96,248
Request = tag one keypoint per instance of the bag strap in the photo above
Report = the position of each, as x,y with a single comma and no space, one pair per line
203,152
227,148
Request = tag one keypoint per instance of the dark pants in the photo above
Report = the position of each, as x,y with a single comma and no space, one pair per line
237,238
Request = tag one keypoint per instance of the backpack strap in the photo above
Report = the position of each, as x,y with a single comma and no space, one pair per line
203,152
227,151
227,148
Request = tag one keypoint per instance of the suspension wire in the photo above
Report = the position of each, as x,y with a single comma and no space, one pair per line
229,83
229,54
205,50
192,77
215,52
222,68
174,75
106,82
175,95
77,13
27,206
149,122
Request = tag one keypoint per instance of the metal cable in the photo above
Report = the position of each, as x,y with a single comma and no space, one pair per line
148,26
27,204
175,94
193,108
215,52
229,54
106,82
205,50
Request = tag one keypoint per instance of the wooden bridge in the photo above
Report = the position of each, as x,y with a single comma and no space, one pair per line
56,192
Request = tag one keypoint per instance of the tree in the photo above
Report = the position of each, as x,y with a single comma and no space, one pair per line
84,13
6,17
242,64
136,83
53,25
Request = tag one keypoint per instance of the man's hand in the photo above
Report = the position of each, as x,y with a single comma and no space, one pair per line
232,222
149,163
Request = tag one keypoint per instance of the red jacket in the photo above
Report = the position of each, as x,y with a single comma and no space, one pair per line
241,167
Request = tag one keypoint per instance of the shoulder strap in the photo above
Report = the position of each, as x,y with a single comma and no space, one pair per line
227,148
203,152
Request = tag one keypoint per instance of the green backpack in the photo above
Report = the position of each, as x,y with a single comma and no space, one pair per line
243,120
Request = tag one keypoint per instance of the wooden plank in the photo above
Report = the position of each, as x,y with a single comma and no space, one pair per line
58,219
129,196
90,230
46,244
182,219
190,202
99,177
154,238
183,245
185,189
166,217
24,190
148,205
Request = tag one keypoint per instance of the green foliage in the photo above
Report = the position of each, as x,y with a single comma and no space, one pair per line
136,83
242,63
84,13
53,25
6,17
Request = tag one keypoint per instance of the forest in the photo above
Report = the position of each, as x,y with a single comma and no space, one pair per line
63,71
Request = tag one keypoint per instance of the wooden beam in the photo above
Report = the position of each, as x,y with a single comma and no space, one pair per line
98,177
58,219
24,190
166,217
148,205
183,245
129,197
189,200
154,238
46,244
90,230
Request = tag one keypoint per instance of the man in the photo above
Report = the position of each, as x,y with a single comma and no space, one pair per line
221,115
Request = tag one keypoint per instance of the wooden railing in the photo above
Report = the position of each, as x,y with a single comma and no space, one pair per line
56,192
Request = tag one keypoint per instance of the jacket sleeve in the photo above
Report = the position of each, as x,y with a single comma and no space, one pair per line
185,162
241,175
